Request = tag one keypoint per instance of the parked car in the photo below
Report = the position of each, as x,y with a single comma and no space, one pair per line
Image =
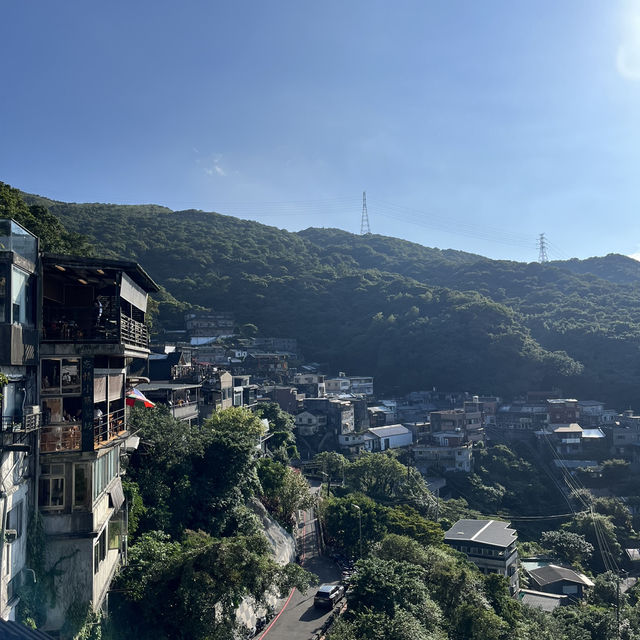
327,595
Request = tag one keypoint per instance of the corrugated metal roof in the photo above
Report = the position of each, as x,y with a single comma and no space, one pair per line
491,532
553,573
390,430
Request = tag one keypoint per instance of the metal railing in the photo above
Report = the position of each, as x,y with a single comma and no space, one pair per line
108,427
185,410
23,424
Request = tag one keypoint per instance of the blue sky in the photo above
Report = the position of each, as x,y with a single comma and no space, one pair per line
471,125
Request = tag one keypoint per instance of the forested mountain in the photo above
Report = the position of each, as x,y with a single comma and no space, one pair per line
412,316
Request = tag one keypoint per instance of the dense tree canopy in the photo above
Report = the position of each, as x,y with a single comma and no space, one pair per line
408,314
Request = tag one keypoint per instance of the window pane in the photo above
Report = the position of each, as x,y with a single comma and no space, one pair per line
57,492
115,532
18,296
71,376
80,485
50,381
52,410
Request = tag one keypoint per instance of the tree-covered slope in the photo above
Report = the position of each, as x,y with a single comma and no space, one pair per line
410,315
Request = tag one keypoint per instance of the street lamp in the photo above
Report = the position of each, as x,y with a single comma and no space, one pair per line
355,506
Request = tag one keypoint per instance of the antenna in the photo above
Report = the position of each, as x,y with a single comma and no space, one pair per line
542,249
365,230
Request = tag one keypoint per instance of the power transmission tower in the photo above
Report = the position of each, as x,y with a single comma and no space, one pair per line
542,249
364,222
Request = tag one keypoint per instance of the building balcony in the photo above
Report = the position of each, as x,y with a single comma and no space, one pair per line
186,411
20,424
75,325
57,437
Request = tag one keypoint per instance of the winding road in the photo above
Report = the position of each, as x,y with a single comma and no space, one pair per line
298,619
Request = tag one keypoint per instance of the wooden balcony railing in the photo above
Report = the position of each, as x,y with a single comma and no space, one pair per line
133,332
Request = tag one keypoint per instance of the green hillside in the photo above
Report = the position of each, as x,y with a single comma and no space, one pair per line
412,316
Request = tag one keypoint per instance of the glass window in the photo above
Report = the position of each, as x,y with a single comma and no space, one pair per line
70,374
14,519
50,380
51,492
81,493
20,313
52,410
100,550
105,470
3,295
115,533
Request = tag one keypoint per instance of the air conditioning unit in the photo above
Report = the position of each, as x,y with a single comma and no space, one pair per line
10,535
31,409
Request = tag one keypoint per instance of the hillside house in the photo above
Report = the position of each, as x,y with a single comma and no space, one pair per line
19,410
563,411
212,324
93,325
559,580
311,384
181,398
490,545
392,436
217,392
444,451
309,423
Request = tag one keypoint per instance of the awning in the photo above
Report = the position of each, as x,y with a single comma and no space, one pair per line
116,495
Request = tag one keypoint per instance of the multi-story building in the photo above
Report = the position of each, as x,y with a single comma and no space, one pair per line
490,545
209,324
93,326
311,384
444,451
357,385
217,392
339,413
309,423
563,411
181,398
467,422
20,418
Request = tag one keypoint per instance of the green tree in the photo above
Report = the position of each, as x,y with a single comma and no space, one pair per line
568,546
342,521
283,490
383,478
200,583
333,464
599,531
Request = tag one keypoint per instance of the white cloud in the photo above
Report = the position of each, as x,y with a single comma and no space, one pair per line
635,256
214,165
628,54
628,61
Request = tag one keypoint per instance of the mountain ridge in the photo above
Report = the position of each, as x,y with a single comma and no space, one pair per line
409,314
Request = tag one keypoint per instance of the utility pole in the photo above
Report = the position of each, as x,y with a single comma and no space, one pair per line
542,249
365,230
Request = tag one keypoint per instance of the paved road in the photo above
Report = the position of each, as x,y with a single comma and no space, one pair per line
299,619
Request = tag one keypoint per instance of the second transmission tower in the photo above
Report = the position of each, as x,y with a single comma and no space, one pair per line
364,221
542,249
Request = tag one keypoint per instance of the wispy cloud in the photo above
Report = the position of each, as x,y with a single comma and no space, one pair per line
628,55
212,164
635,256
628,61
